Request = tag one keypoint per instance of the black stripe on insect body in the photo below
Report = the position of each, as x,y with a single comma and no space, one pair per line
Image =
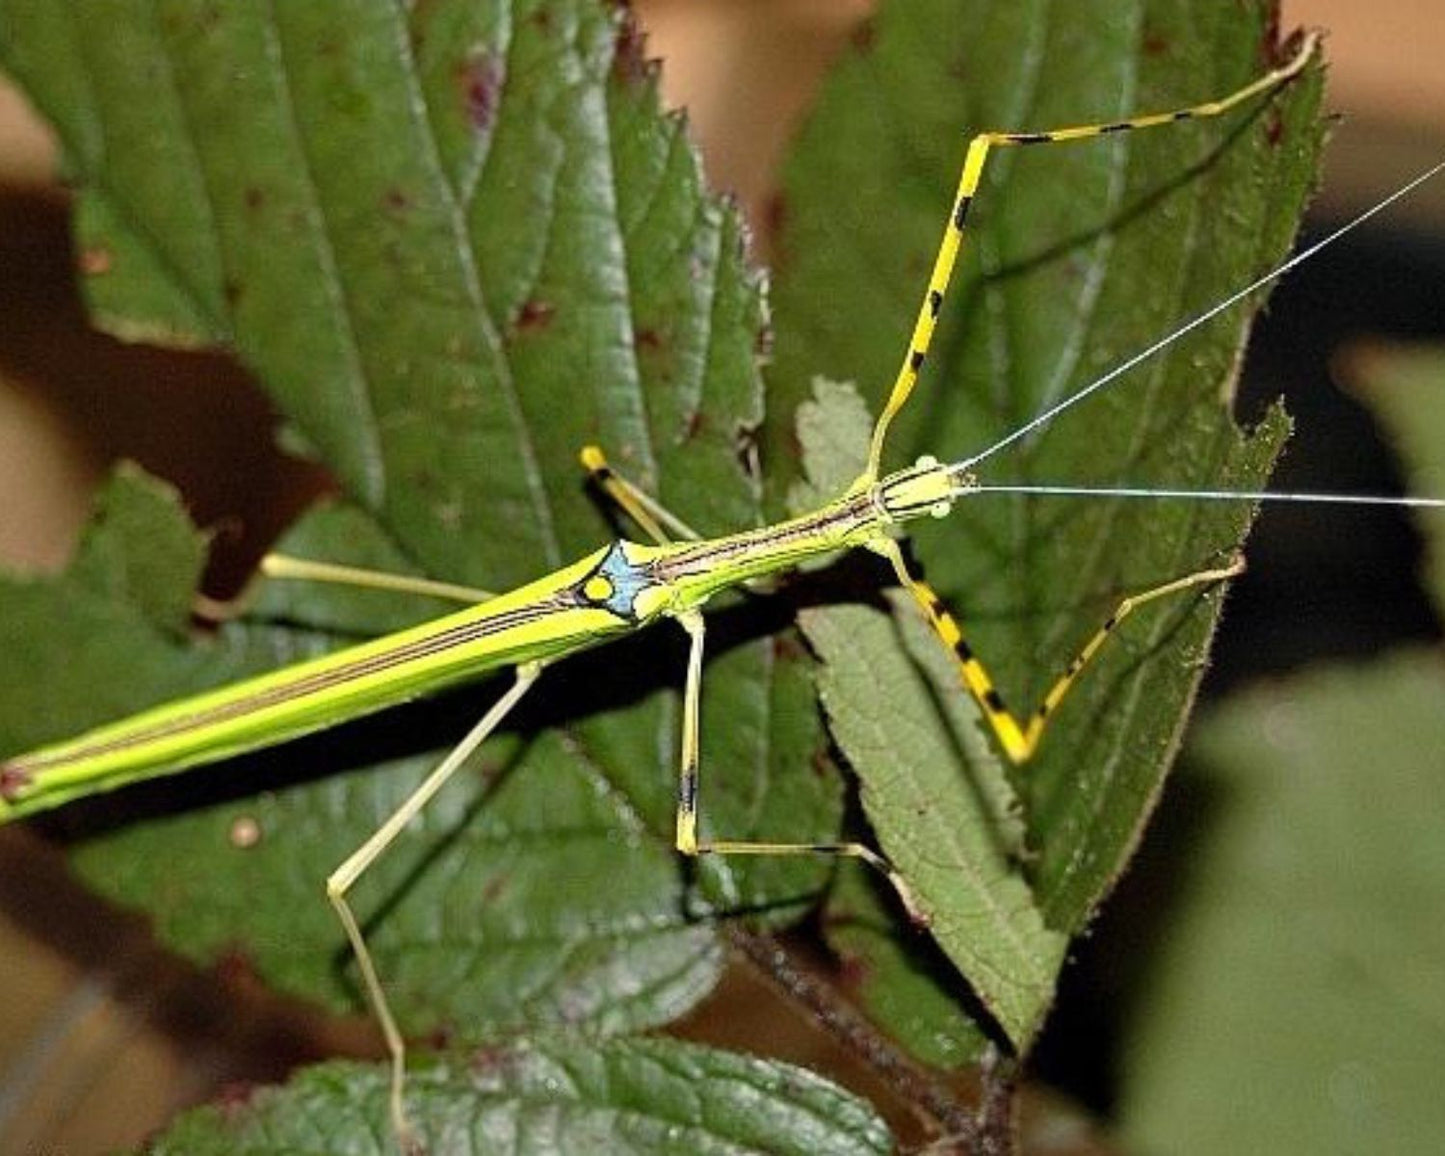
328,676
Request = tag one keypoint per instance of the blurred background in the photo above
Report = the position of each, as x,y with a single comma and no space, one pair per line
101,1038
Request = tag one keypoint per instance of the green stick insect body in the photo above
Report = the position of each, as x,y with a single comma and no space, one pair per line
611,592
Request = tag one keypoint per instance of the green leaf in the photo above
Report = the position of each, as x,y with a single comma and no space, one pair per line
121,613
1404,386
1295,999
641,1096
456,242
1078,257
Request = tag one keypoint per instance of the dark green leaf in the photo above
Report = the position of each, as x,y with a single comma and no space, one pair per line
625,1097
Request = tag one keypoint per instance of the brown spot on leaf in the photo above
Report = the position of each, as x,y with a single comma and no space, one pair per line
745,447
787,648
95,261
535,314
864,37
396,200
775,215
234,1097
1273,127
629,57
481,86
441,1037
208,17
1275,50
1155,44
763,342
851,971
254,197
235,968
488,1060
495,888
647,340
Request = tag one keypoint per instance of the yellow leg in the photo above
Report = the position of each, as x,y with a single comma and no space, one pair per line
345,876
1019,738
654,518
283,567
688,842
973,165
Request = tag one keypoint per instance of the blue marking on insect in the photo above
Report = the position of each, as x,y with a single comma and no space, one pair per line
616,583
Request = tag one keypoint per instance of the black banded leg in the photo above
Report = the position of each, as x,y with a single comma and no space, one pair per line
345,876
969,178
655,519
1020,739
688,842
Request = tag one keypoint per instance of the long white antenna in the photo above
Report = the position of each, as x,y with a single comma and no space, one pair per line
1206,495
960,469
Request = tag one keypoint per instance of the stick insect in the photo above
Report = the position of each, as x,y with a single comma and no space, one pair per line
611,592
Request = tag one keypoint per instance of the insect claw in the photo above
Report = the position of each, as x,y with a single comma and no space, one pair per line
916,915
